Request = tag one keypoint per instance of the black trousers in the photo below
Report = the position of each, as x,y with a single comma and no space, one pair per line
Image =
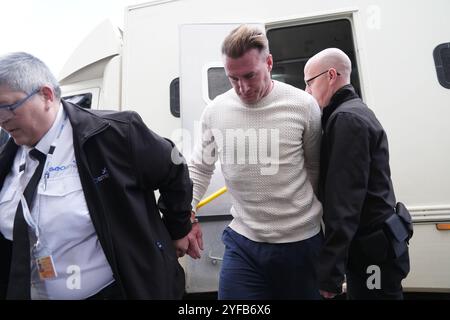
362,281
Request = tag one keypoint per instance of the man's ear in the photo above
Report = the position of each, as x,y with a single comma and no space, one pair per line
332,74
49,96
48,93
269,62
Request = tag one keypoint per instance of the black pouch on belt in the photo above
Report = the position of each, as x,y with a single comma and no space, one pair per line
398,234
404,214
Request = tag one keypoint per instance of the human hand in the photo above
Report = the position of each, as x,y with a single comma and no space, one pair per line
327,295
181,246
195,237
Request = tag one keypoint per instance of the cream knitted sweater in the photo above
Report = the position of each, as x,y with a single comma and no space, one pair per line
269,153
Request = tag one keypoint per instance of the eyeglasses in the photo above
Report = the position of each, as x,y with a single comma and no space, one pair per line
7,111
308,82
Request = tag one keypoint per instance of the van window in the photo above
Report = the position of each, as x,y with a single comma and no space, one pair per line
218,82
441,56
175,97
292,46
84,100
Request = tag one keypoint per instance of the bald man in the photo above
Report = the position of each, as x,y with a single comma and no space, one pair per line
365,238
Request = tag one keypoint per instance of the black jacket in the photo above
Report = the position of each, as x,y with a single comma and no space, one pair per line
355,183
120,163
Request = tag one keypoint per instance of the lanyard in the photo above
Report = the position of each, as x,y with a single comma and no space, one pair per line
51,152
34,223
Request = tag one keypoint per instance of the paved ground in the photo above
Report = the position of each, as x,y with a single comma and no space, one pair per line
408,296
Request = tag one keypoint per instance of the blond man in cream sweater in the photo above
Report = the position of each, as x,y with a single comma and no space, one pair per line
267,137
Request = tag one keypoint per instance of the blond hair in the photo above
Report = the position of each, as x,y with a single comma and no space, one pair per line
243,39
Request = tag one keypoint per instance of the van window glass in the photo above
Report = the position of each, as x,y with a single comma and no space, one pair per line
218,82
84,100
4,136
441,56
175,97
292,46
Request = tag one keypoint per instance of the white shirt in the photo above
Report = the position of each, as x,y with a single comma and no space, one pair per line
62,215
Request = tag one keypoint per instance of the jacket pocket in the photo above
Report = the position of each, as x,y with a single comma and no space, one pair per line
64,198
60,187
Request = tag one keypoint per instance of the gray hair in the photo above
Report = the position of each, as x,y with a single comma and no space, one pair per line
21,71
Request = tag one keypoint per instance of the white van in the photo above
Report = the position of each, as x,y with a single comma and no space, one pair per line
166,65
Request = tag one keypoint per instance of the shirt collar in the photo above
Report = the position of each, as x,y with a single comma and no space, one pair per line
46,141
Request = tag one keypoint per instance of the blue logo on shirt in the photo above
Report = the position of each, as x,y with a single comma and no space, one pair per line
103,176
60,168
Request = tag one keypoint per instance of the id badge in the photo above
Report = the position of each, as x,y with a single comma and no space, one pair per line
44,261
46,267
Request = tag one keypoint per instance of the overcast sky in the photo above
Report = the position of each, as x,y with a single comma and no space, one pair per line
52,29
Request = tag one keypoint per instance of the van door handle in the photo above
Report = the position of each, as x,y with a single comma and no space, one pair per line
214,260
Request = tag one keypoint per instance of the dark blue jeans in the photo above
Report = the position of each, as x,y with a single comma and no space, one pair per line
266,271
